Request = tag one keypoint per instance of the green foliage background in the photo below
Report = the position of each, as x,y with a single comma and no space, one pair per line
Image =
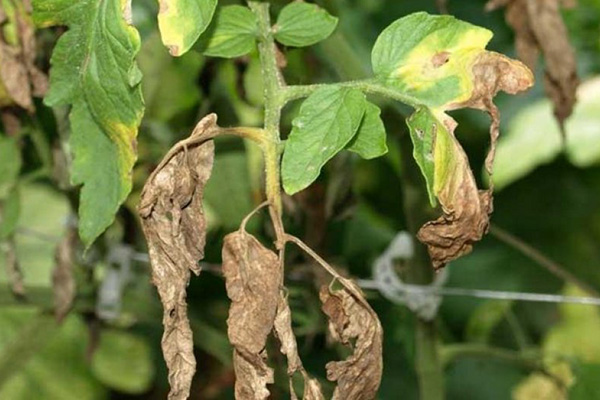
349,215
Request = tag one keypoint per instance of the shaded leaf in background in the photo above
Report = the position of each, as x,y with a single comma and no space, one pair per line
302,24
353,323
131,374
169,83
46,348
252,278
327,121
586,383
533,139
175,229
228,192
94,71
181,22
46,211
539,27
485,318
370,140
232,34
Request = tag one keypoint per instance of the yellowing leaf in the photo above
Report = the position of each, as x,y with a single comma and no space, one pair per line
436,64
94,71
429,57
181,22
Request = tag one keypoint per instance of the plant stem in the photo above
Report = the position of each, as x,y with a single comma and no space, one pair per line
416,206
371,86
541,259
274,102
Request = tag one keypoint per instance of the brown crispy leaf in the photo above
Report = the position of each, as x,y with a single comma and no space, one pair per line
175,228
289,347
539,27
466,209
353,323
20,79
63,282
253,278
13,269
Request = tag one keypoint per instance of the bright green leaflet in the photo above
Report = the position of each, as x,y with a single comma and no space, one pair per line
93,69
370,140
434,150
132,374
429,57
181,22
326,123
232,33
302,24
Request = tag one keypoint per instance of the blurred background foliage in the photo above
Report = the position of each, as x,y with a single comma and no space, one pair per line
109,345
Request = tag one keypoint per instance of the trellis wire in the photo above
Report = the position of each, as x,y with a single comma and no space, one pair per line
409,289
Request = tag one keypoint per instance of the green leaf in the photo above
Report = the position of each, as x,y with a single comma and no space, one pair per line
181,22
302,24
93,69
429,57
533,137
132,374
370,140
326,123
10,165
232,33
435,150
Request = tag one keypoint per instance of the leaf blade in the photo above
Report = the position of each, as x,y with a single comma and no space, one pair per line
370,140
181,22
302,24
327,121
93,69
232,34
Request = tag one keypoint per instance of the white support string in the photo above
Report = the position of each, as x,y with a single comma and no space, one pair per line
422,299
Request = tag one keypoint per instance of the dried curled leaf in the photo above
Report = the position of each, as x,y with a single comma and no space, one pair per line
289,347
539,27
20,79
353,323
252,277
175,228
63,281
444,163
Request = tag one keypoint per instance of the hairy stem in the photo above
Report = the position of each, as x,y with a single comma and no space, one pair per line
371,86
274,102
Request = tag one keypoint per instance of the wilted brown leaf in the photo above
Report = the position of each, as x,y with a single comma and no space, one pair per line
63,282
20,79
252,277
175,229
466,209
353,323
289,347
539,27
13,269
